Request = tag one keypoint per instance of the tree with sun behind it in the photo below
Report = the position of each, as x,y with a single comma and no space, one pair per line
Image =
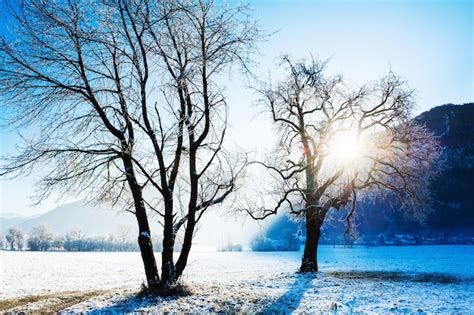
338,145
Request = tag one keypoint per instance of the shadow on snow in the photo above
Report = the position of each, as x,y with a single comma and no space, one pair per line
132,304
292,298
437,278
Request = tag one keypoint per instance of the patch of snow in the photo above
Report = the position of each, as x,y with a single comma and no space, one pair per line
358,279
289,292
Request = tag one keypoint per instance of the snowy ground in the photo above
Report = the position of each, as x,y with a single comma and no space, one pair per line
380,279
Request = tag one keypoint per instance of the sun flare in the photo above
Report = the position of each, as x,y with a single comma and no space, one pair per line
345,149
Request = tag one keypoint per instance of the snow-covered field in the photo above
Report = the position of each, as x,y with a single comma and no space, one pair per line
378,279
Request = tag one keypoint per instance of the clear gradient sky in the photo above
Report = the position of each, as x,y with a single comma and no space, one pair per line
429,43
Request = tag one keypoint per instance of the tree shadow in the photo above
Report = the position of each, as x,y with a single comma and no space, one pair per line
436,278
132,304
144,299
292,298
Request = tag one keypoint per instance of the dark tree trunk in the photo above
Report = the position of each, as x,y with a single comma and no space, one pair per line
144,236
168,275
146,250
191,220
309,261
187,242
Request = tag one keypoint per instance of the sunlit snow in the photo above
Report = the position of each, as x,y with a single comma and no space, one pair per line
364,279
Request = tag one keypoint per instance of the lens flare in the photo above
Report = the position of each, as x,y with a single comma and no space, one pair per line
345,149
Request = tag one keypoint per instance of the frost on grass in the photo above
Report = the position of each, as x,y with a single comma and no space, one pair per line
355,279
301,293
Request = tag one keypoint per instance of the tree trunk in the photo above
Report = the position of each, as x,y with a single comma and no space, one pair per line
309,261
187,242
191,219
144,236
168,276
146,250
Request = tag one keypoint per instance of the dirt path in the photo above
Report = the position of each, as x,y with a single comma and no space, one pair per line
48,303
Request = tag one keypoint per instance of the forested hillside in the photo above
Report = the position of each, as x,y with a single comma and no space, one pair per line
452,219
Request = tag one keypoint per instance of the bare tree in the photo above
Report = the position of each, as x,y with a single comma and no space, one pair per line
10,239
338,146
15,238
125,101
207,42
40,238
75,241
123,235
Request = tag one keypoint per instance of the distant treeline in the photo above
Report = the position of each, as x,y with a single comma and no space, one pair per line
42,239
286,235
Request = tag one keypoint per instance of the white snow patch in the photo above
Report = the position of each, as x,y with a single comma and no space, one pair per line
438,279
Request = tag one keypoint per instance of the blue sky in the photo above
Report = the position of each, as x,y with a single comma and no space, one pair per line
429,43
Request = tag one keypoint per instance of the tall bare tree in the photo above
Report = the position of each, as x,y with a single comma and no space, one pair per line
124,102
339,145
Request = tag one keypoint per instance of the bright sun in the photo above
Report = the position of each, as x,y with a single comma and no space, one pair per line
345,149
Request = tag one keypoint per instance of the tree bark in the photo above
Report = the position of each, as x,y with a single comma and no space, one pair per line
309,261
185,250
168,275
146,250
191,216
144,236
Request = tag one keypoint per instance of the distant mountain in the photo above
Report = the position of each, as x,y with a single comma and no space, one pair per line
453,189
91,220
8,220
